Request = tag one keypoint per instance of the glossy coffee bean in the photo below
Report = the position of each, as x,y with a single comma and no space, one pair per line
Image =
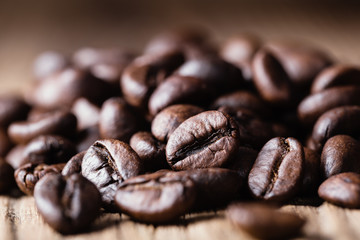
277,172
117,120
166,121
6,176
156,197
29,174
145,73
314,105
341,120
5,143
86,113
48,63
49,149
208,139
150,150
341,153
74,164
60,123
263,221
107,163
178,89
68,204
16,157
271,80
311,177
336,75
12,109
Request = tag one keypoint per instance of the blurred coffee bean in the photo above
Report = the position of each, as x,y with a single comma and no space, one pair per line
16,156
311,177
86,113
6,176
264,221
12,109
74,164
208,139
166,121
87,137
107,163
342,189
336,75
117,120
243,162
29,174
5,143
48,63
60,123
69,204
277,172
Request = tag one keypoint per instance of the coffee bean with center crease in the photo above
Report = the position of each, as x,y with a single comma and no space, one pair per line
49,149
208,139
74,164
60,123
342,189
278,170
6,176
166,121
263,221
341,153
29,174
67,203
107,163
12,109
156,197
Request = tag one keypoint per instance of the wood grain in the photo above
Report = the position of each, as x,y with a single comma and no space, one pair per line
20,220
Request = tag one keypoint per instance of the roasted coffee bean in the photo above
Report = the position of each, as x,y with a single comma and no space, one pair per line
311,177
155,198
12,109
271,80
178,89
208,139
67,203
117,120
16,157
150,151
314,105
341,153
49,149
5,143
341,120
145,73
263,221
166,121
48,63
240,50
74,164
243,162
29,174
6,176
86,113
87,137
278,170
107,163
342,189
60,123
336,75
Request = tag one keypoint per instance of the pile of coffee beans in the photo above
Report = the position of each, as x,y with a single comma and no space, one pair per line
184,126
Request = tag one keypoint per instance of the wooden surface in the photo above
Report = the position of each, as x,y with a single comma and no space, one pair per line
19,220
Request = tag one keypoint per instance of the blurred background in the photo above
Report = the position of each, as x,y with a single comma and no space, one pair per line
28,28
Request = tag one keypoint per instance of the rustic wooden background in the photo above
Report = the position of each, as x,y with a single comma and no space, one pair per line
29,27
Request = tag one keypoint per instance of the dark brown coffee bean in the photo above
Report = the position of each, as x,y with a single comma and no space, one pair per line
107,163
314,105
6,176
278,170
178,89
58,123
166,121
67,204
87,137
155,198
208,139
263,221
150,151
145,73
243,162
74,164
86,113
341,153
342,189
311,178
271,80
48,63
117,120
29,174
16,157
336,75
341,120
49,149
12,109
240,50
5,143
